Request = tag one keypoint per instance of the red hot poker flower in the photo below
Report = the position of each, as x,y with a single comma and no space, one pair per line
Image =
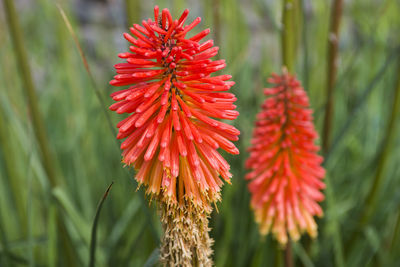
286,170
171,134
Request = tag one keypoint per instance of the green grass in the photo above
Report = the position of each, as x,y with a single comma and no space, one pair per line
86,158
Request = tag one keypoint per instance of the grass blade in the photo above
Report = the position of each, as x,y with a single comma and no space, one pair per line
37,122
93,240
121,225
396,234
52,237
302,254
12,174
22,62
102,103
64,201
371,199
360,102
153,259
5,259
87,68
336,236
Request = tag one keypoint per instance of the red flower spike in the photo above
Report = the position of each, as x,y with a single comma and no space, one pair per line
286,171
171,134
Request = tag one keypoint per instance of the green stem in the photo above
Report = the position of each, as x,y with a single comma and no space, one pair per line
333,45
278,255
332,65
306,68
288,35
289,45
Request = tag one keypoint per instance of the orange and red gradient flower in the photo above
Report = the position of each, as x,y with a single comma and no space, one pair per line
172,134
286,171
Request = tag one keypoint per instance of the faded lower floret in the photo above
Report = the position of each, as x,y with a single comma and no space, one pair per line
186,241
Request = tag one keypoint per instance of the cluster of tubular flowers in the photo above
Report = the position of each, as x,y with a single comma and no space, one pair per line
172,135
172,132
286,171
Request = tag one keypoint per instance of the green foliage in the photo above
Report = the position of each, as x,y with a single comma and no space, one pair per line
87,157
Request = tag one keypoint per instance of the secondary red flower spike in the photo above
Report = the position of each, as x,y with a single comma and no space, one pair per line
171,134
286,171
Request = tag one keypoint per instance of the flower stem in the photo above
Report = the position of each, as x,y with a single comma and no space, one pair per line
186,240
332,65
288,35
304,36
278,255
289,45
333,45
288,255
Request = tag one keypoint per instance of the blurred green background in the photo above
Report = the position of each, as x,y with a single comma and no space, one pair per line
86,158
